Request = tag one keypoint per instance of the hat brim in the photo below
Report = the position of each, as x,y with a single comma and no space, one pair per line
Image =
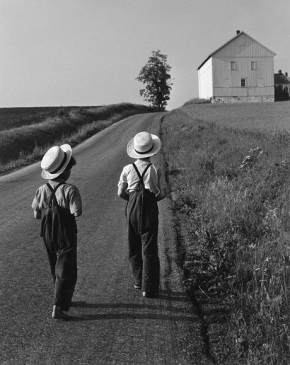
156,147
48,176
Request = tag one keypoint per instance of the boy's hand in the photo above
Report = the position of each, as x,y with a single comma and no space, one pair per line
78,213
122,193
37,214
161,195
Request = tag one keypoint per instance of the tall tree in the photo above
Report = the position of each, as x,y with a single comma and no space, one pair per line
155,75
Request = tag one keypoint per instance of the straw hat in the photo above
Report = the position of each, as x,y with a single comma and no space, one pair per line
55,161
143,145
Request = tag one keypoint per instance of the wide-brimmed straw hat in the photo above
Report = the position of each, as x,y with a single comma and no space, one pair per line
55,161
143,145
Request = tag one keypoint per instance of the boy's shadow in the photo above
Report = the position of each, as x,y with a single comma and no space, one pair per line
174,313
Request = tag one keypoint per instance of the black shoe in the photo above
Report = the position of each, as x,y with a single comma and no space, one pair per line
148,294
58,314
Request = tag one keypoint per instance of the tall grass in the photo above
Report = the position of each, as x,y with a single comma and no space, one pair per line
230,192
25,144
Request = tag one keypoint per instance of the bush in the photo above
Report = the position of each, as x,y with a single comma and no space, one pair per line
197,101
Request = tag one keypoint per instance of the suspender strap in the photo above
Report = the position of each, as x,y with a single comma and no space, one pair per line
144,172
53,191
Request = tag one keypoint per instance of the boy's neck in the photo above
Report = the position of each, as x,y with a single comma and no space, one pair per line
62,178
57,181
145,159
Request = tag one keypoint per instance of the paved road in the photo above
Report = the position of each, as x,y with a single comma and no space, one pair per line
112,323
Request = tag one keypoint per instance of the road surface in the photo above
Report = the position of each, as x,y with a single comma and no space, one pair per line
112,323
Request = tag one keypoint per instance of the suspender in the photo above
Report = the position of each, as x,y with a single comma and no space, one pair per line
144,172
53,191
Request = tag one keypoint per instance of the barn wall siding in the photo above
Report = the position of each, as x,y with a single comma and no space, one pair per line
205,80
240,91
225,77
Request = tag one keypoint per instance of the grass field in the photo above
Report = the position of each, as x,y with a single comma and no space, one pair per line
26,133
266,117
228,171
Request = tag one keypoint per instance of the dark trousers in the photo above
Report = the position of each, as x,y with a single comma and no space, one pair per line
142,215
63,269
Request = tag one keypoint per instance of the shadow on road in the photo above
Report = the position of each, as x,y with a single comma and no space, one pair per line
114,316
160,308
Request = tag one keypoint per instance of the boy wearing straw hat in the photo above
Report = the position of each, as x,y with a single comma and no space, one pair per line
57,203
142,186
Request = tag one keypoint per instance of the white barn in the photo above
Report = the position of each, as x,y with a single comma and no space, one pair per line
242,70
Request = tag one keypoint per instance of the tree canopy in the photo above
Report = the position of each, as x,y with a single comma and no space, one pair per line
155,75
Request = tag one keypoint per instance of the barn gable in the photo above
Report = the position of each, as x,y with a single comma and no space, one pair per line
242,45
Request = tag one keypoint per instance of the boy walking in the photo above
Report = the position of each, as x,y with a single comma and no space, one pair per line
57,203
142,185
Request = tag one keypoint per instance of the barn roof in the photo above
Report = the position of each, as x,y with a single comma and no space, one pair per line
236,36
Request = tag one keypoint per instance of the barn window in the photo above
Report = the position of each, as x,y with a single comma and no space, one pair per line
253,65
233,65
243,82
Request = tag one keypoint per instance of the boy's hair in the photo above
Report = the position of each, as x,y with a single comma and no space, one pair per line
72,162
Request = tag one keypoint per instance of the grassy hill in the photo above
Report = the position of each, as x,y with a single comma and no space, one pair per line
26,133
18,117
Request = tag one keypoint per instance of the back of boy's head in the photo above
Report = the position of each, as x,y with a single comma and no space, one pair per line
70,165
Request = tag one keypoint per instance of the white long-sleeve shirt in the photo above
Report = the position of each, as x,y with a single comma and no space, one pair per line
153,178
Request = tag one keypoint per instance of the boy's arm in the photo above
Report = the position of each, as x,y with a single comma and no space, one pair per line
162,194
75,202
122,185
35,206
162,185
122,193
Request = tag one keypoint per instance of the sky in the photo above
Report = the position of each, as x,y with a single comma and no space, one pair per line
89,52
